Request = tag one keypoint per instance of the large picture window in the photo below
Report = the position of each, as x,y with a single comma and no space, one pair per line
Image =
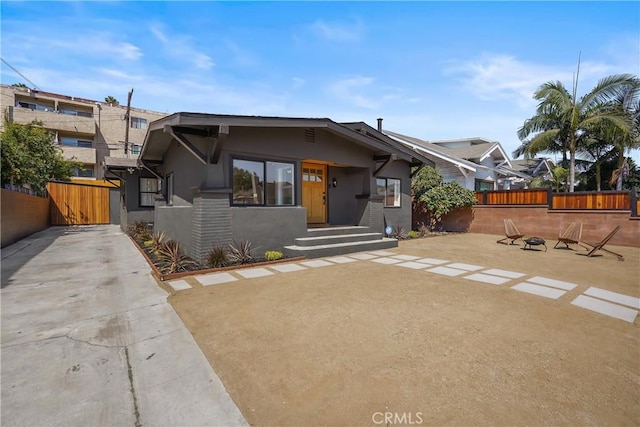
148,190
389,188
263,183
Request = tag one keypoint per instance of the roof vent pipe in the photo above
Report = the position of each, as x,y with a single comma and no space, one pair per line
380,125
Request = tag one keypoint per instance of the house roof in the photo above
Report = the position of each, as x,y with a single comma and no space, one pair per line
432,150
157,141
532,166
478,149
120,162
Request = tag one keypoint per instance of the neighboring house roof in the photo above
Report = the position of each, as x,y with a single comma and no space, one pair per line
214,124
477,149
533,167
120,162
432,149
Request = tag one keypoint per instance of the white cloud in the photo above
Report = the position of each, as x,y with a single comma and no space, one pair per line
181,47
339,32
506,78
351,90
240,56
86,43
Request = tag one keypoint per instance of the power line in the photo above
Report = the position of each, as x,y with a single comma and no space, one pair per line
20,74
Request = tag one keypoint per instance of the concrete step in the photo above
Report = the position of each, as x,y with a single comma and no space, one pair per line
333,231
338,238
339,248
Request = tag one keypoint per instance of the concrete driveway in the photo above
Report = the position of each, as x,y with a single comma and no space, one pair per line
88,339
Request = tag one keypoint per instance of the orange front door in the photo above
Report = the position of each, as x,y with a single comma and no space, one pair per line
314,192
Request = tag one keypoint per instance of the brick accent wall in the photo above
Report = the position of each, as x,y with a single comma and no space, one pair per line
211,222
371,212
539,221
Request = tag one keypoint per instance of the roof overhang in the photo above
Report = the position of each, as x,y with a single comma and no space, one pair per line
162,132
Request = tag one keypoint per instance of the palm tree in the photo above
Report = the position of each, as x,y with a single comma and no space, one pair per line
111,100
627,101
561,119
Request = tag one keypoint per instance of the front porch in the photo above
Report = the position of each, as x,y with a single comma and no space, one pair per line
330,241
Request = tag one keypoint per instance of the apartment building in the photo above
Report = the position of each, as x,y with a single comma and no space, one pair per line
86,130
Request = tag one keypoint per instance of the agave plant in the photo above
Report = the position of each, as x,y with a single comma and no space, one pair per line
398,233
156,241
240,252
218,257
171,258
139,231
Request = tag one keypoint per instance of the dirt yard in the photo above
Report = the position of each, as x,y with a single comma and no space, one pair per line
348,343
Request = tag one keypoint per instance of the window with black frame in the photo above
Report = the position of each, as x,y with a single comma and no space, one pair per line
263,183
148,190
389,189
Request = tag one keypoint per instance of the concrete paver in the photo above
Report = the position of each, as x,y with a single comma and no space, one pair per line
88,338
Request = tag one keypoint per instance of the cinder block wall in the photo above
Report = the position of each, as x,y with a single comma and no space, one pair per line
539,221
22,215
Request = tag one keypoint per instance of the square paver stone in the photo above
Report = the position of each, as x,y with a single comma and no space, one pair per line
341,259
541,291
486,278
215,279
432,261
179,285
314,263
606,308
446,271
613,297
382,253
553,283
287,268
386,260
251,273
363,255
411,264
405,257
504,273
462,266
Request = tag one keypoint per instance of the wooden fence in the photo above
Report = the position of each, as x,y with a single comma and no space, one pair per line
604,200
78,204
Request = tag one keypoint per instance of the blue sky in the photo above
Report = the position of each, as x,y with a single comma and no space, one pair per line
434,70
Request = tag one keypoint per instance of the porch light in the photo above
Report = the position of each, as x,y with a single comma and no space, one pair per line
334,183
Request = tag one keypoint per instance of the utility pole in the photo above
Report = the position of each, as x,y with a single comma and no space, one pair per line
127,119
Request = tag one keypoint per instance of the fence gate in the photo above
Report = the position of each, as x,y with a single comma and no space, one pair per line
78,204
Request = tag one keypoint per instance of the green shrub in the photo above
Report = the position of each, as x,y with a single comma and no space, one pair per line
413,234
218,257
272,255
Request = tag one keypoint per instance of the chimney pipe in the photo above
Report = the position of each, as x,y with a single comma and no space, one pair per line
380,125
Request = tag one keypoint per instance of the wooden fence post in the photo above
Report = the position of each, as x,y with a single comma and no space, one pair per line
550,198
634,203
485,197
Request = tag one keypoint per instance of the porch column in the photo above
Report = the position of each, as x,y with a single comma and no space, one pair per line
371,212
211,221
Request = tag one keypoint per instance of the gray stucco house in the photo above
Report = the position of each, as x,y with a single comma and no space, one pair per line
311,187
